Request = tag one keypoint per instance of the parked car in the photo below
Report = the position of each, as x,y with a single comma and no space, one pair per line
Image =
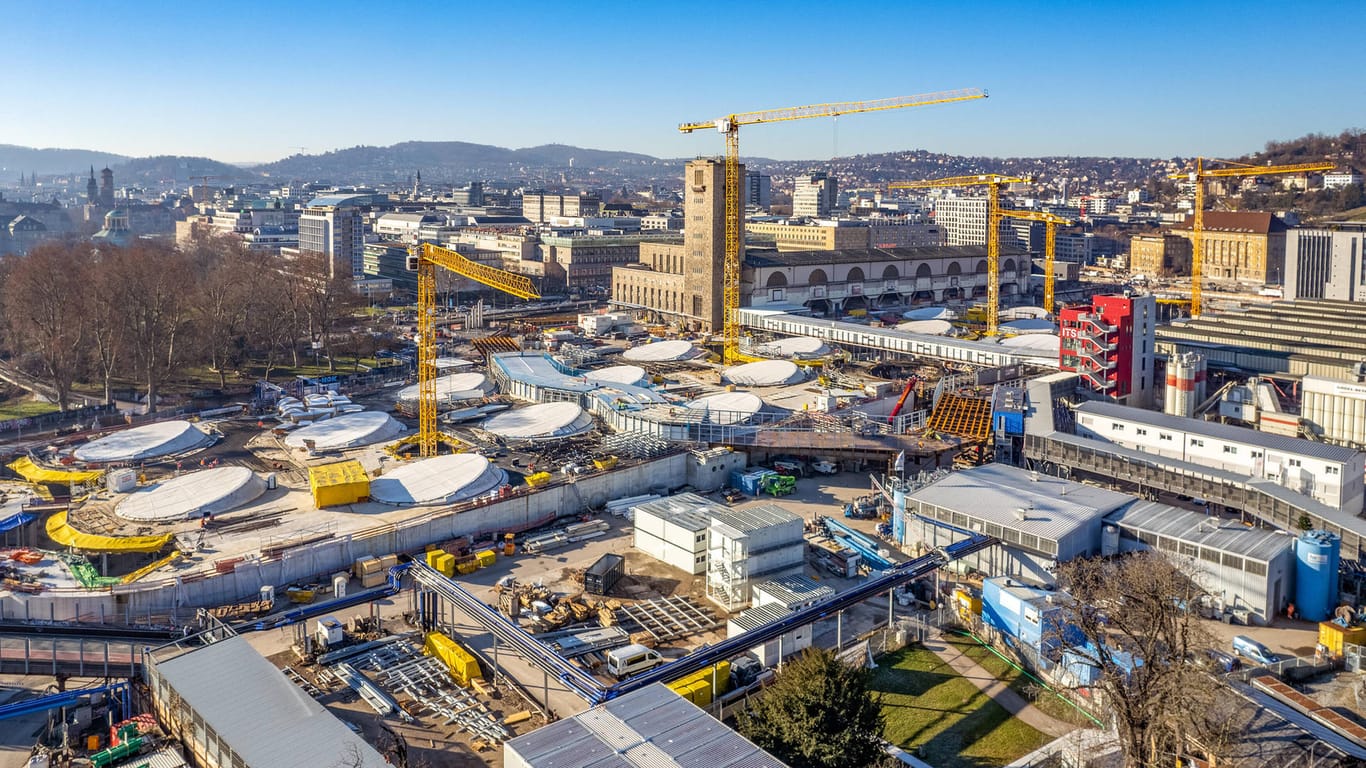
1219,661
1251,649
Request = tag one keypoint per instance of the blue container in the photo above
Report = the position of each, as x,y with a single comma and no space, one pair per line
1316,574
748,482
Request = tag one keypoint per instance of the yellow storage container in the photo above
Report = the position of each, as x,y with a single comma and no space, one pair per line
446,564
334,485
485,558
697,687
1334,637
434,556
606,462
538,479
461,663
467,568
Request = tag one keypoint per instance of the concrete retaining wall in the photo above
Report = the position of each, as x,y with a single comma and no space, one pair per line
182,595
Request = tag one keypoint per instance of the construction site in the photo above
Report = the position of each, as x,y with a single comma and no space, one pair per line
548,521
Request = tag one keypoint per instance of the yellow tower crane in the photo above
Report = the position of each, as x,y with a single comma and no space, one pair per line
993,182
1051,222
1199,176
425,258
730,126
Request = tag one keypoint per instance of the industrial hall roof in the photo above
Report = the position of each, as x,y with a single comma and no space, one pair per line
1053,507
652,727
1193,527
258,713
767,258
1215,430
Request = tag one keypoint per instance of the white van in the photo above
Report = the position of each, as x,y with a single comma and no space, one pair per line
630,659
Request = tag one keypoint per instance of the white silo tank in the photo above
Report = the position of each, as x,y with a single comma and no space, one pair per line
1185,384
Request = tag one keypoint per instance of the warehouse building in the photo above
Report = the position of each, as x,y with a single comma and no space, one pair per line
1250,568
213,697
1334,410
1039,520
1298,338
652,727
1329,474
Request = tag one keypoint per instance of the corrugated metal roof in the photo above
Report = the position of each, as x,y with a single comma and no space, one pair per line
1215,430
753,518
791,590
1053,507
686,510
168,757
650,728
754,618
266,719
1193,527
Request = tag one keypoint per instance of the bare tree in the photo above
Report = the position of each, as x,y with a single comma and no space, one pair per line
42,306
103,307
1145,643
154,285
229,279
324,297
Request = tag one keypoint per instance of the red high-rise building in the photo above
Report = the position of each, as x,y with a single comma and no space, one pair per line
1110,344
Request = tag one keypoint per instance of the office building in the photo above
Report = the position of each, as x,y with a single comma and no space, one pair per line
758,190
1240,246
962,220
334,225
540,206
1164,255
1326,262
815,195
1111,343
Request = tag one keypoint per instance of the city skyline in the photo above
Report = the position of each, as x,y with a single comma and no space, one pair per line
266,82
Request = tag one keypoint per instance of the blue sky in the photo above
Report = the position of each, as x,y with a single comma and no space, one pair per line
254,81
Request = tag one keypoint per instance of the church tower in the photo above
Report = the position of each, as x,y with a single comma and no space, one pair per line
107,188
92,190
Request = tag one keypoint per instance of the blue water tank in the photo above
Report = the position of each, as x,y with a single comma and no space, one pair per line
1316,574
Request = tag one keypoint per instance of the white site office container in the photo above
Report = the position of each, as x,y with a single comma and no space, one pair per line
674,530
777,649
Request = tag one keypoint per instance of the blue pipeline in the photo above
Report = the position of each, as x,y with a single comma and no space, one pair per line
303,613
121,691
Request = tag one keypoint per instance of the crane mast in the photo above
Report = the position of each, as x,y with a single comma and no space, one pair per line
730,127
993,182
1051,222
1199,176
424,259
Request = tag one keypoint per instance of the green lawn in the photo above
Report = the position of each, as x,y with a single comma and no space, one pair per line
927,705
1049,703
25,408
